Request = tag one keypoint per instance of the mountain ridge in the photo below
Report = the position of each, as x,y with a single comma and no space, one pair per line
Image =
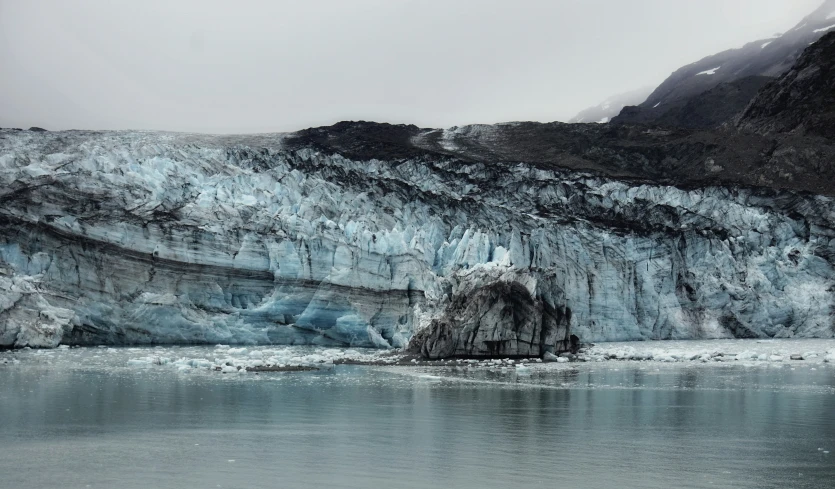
769,57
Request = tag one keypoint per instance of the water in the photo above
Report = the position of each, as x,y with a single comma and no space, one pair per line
81,418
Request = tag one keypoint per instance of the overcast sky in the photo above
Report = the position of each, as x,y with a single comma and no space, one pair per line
264,66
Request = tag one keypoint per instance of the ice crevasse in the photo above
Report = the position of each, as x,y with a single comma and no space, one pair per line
155,238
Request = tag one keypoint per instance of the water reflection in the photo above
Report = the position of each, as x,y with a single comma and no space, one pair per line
366,427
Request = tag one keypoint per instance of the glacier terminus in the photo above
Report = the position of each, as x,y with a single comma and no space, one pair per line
160,238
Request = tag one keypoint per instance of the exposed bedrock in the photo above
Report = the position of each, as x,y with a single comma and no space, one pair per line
132,237
501,318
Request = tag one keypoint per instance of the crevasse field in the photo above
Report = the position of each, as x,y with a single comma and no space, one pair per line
157,238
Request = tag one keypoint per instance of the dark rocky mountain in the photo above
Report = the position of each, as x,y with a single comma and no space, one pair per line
802,101
675,100
703,111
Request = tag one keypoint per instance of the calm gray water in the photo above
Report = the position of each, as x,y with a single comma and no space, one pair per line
596,426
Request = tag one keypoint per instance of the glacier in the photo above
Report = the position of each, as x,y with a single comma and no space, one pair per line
131,237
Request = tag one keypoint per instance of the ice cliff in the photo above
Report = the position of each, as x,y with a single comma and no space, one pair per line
137,237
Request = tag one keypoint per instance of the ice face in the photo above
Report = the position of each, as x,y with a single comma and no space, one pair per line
132,237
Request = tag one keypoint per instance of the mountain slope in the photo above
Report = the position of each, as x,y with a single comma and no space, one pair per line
801,101
703,111
609,108
762,58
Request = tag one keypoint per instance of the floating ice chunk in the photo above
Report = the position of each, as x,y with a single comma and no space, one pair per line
139,362
237,351
228,369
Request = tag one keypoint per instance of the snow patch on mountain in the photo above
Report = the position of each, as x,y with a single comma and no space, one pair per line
711,71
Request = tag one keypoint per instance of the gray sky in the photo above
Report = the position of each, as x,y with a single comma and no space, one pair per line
263,66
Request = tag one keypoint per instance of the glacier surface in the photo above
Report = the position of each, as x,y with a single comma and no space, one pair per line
157,238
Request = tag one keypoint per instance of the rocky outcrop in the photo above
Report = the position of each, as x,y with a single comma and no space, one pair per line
500,319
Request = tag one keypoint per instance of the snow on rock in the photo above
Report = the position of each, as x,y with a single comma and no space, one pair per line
824,29
711,71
